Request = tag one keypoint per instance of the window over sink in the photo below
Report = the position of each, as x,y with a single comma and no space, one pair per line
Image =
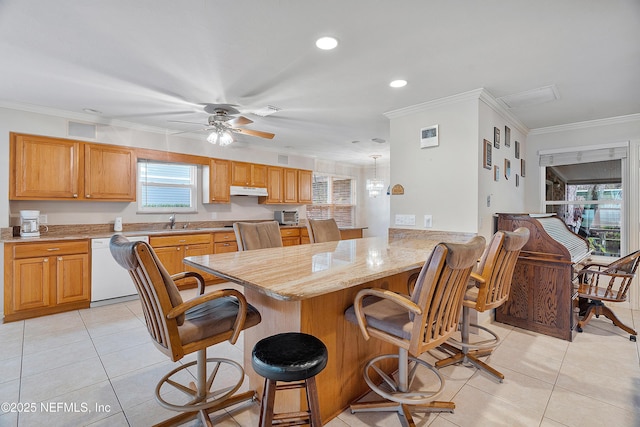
333,197
167,187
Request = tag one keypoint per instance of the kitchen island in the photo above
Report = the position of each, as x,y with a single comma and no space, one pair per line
306,289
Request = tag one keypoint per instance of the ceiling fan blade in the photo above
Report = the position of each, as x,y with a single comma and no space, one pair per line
257,133
239,121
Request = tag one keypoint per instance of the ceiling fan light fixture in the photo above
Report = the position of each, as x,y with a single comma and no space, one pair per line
327,43
220,137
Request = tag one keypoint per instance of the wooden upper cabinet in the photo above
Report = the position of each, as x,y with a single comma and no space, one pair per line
305,188
109,173
275,185
290,186
219,181
43,168
248,174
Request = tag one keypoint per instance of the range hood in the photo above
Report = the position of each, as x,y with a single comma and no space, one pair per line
247,191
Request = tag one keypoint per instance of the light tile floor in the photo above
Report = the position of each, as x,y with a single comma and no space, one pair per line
103,356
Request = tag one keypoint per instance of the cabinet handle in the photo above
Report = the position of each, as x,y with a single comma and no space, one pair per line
88,196
182,240
53,249
226,244
46,260
75,195
177,249
59,258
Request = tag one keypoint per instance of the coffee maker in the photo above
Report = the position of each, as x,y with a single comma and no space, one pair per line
29,223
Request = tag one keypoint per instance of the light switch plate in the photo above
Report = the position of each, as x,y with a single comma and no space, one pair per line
428,221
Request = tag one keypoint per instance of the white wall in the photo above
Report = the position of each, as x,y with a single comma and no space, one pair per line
503,194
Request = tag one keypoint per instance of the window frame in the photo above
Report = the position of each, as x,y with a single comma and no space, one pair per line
141,184
331,206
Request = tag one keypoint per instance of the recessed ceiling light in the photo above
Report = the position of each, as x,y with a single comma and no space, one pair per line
326,43
398,83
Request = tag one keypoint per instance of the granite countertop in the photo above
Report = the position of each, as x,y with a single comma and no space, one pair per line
97,231
305,271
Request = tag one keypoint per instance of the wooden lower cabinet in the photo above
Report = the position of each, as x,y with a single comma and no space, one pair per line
290,236
351,233
45,278
171,250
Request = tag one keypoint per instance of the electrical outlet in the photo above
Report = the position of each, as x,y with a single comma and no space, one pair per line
405,219
428,221
43,219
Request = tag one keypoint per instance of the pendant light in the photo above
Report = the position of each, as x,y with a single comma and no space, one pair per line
375,185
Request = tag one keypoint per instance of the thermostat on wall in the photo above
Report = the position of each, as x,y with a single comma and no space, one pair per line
429,136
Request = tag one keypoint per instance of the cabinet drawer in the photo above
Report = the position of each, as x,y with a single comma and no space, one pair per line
290,232
225,236
50,248
181,239
223,247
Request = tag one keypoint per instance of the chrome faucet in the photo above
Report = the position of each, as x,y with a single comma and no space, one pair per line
172,221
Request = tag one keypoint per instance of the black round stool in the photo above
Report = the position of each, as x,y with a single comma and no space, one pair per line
289,357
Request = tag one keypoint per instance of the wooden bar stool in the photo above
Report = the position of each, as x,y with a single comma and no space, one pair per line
295,359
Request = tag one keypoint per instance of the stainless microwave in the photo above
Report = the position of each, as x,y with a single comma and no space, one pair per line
286,217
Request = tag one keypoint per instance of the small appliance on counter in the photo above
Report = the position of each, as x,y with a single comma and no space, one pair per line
29,223
286,217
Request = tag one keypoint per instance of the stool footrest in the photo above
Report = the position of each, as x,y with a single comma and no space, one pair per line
291,385
291,419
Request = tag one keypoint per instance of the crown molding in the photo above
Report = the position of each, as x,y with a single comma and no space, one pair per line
436,103
472,95
587,124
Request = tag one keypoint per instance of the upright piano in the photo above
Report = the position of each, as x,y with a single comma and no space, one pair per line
542,297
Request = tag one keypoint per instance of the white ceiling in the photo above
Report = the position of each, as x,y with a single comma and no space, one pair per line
151,61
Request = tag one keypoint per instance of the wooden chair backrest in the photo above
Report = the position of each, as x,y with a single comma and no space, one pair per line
439,291
497,265
323,230
257,235
621,273
154,286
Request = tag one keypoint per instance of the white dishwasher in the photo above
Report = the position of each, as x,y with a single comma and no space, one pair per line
108,279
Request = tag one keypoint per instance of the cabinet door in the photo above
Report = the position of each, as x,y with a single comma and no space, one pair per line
240,173
305,190
195,250
171,258
224,247
290,241
44,168
219,181
72,278
290,186
109,173
31,283
275,185
258,175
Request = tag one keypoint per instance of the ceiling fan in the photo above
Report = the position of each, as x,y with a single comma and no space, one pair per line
223,122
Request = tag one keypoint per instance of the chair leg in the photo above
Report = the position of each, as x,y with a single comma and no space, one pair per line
268,401
464,354
312,402
598,308
395,402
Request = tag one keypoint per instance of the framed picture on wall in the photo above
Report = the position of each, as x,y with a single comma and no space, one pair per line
517,150
517,180
507,168
496,173
522,168
486,154
496,137
507,136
